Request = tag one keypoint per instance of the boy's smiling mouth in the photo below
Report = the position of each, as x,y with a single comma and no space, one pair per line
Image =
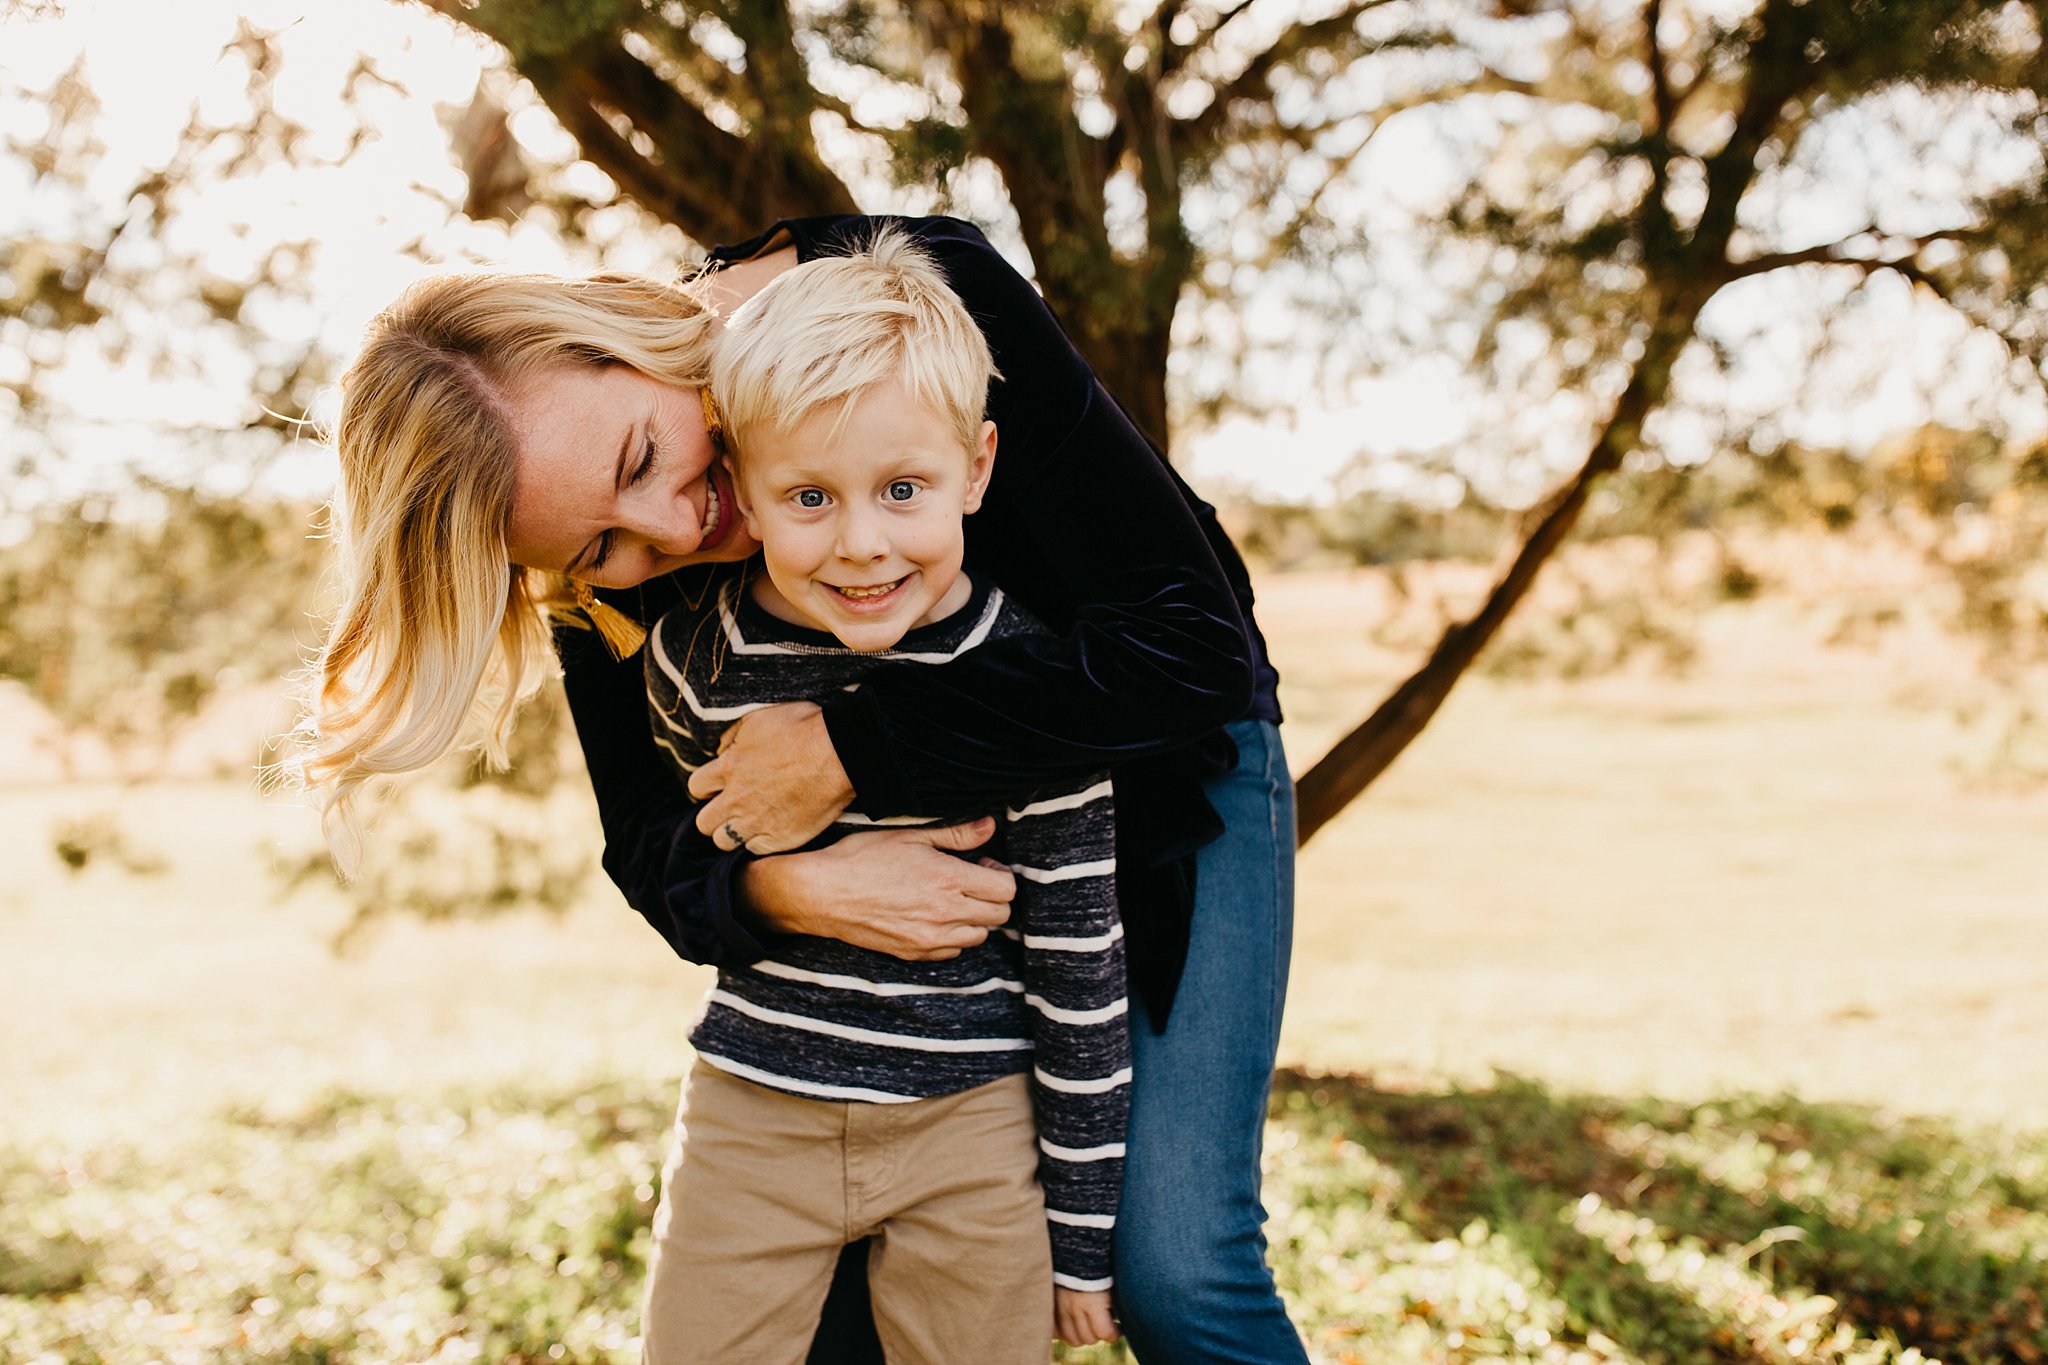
869,593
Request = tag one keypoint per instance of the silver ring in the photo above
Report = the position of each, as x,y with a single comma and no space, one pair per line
737,839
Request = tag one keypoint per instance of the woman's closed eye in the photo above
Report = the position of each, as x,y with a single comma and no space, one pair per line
646,465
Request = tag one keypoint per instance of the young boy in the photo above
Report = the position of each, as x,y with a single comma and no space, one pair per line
841,1093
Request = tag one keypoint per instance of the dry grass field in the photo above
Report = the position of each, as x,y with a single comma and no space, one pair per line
1772,874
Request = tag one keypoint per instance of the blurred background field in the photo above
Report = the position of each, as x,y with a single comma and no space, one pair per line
1784,868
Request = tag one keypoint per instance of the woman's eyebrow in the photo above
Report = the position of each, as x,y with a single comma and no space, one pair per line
618,485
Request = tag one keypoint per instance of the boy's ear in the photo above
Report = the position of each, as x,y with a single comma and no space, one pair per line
746,504
983,465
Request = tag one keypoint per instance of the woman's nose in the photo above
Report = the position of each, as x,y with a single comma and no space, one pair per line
672,526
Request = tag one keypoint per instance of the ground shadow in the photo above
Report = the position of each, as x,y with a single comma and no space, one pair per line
1909,1226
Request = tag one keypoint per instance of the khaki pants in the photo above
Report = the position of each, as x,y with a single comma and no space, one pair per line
764,1188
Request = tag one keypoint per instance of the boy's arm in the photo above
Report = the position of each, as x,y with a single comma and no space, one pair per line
1062,849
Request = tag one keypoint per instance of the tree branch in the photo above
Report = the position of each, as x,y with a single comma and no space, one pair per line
1662,104
1054,173
712,183
1355,760
1778,70
1210,126
1838,253
1660,232
1334,31
1173,56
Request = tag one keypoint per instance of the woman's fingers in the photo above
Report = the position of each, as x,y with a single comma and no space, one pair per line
709,780
775,785
895,891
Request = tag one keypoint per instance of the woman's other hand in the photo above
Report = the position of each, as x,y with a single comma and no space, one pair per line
896,891
1081,1316
776,783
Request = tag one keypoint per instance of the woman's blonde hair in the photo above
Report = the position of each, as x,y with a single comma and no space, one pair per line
827,331
436,626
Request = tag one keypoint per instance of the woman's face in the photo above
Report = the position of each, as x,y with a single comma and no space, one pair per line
615,479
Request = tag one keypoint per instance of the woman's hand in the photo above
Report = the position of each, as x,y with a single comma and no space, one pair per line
1081,1316
895,891
776,783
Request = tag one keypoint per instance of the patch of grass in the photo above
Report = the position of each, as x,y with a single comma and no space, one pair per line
1749,1229
1508,1223
504,1228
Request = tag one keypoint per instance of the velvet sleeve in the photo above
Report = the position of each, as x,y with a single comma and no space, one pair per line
678,880
1088,527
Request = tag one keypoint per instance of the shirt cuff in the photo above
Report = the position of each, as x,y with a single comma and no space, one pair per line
743,930
854,722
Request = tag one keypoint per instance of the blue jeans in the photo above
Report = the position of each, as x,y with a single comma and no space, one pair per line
1191,1278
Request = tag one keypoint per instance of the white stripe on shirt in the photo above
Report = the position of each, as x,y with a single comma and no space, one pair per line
740,644
1064,1016
818,1088
1071,801
770,967
689,696
1081,1286
1102,1153
867,1035
1100,868
1080,1220
1093,943
1082,1086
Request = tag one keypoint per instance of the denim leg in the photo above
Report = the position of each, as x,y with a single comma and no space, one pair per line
1191,1278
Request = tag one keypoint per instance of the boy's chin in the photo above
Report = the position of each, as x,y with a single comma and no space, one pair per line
871,641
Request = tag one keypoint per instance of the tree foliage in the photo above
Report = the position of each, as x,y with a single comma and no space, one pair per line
1656,160
1105,126
127,626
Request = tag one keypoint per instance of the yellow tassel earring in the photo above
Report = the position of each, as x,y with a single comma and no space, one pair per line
622,635
712,425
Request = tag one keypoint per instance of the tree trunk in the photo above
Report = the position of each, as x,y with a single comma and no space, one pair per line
1133,367
1361,756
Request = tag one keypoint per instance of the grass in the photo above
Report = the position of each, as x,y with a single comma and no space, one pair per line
1511,1223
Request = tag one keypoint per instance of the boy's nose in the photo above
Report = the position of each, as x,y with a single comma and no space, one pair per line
861,539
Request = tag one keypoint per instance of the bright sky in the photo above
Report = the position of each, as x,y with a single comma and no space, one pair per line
149,61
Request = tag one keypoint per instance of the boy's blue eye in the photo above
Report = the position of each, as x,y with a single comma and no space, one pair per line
903,490
810,497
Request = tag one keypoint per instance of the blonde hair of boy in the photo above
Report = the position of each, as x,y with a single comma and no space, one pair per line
436,627
825,332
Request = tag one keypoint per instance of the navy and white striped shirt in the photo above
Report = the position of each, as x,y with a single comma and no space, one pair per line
827,1020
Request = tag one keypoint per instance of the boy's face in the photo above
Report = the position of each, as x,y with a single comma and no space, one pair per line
861,531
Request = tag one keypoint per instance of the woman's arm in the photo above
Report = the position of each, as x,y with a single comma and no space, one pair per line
895,891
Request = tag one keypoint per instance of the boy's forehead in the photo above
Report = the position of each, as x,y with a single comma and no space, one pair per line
880,425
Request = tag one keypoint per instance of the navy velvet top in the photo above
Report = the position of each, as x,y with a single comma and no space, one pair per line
1153,649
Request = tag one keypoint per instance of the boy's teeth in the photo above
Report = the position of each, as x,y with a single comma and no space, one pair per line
870,592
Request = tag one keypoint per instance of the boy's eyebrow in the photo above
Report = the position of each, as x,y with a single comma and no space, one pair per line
618,483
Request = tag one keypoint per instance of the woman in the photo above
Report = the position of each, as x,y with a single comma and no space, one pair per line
488,421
